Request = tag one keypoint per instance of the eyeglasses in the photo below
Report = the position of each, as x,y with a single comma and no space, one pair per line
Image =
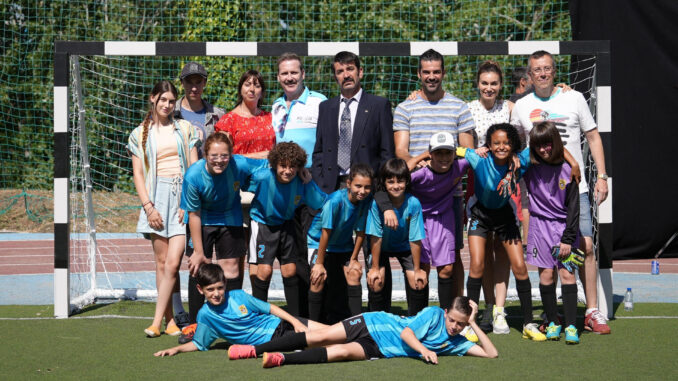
545,70
222,157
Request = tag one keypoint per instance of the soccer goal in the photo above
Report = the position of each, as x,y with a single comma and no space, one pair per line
100,95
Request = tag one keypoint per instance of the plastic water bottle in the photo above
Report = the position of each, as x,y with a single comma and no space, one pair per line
628,300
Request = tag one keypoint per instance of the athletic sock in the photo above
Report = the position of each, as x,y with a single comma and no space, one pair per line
283,344
195,299
176,303
418,301
376,300
260,288
473,288
309,356
548,299
569,292
315,305
524,288
233,284
355,299
291,286
445,292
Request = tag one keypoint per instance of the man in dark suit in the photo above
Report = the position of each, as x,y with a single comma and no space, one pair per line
354,127
363,134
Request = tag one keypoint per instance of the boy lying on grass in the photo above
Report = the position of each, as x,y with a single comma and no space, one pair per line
236,317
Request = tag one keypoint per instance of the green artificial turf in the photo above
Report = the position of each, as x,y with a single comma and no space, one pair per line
87,347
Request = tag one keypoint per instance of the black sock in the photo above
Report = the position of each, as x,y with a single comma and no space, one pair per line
195,299
309,356
524,288
233,284
418,301
445,292
291,286
569,303
260,288
283,344
473,288
315,305
548,299
355,299
376,300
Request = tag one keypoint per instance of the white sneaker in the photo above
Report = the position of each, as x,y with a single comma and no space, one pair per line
499,325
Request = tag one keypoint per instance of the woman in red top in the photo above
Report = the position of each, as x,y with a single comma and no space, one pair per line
249,126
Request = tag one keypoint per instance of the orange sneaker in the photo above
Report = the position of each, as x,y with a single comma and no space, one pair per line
172,330
273,359
187,333
152,331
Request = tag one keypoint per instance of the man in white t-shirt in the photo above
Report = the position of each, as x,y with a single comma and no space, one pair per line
572,116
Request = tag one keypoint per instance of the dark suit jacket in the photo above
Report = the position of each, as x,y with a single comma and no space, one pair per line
371,143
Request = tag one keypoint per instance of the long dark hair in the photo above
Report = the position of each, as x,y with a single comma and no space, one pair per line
257,76
543,133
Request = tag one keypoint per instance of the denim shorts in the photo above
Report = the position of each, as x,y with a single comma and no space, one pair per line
585,221
167,198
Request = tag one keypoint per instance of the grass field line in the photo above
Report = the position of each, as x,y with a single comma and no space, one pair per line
151,317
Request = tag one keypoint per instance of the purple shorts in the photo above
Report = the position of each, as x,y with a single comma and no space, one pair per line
438,248
542,236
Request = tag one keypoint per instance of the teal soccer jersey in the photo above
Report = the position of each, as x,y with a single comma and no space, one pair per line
343,217
488,175
217,197
428,326
275,202
240,319
410,225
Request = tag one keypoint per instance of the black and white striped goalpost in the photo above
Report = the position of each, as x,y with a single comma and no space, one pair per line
64,49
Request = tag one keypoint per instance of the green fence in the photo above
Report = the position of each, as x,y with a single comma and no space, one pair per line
116,87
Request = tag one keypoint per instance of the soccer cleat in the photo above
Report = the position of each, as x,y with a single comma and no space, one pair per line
531,332
172,330
544,324
486,322
553,331
571,335
187,333
596,323
499,325
152,331
272,359
469,334
182,320
240,351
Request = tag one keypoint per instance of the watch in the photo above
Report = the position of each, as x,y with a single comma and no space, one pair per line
603,176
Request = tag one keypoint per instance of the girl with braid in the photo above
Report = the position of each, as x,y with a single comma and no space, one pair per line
162,149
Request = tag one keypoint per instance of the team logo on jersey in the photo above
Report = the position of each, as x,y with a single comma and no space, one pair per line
562,184
243,309
538,115
443,345
297,199
236,186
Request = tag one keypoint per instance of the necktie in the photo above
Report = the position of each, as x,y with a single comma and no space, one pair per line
344,152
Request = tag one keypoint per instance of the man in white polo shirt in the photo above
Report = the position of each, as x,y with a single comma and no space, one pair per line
572,116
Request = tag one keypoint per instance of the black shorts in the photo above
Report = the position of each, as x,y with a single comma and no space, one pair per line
342,258
226,242
502,222
270,242
356,332
285,328
404,257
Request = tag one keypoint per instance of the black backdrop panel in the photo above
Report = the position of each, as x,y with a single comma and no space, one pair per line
644,48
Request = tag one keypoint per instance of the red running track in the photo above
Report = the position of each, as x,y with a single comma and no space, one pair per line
128,255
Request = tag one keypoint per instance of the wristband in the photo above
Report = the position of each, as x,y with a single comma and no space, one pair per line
603,176
146,203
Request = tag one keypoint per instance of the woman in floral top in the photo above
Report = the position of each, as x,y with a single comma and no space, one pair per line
249,126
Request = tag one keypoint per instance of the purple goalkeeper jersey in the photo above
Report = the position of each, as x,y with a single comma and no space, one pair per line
553,196
435,192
